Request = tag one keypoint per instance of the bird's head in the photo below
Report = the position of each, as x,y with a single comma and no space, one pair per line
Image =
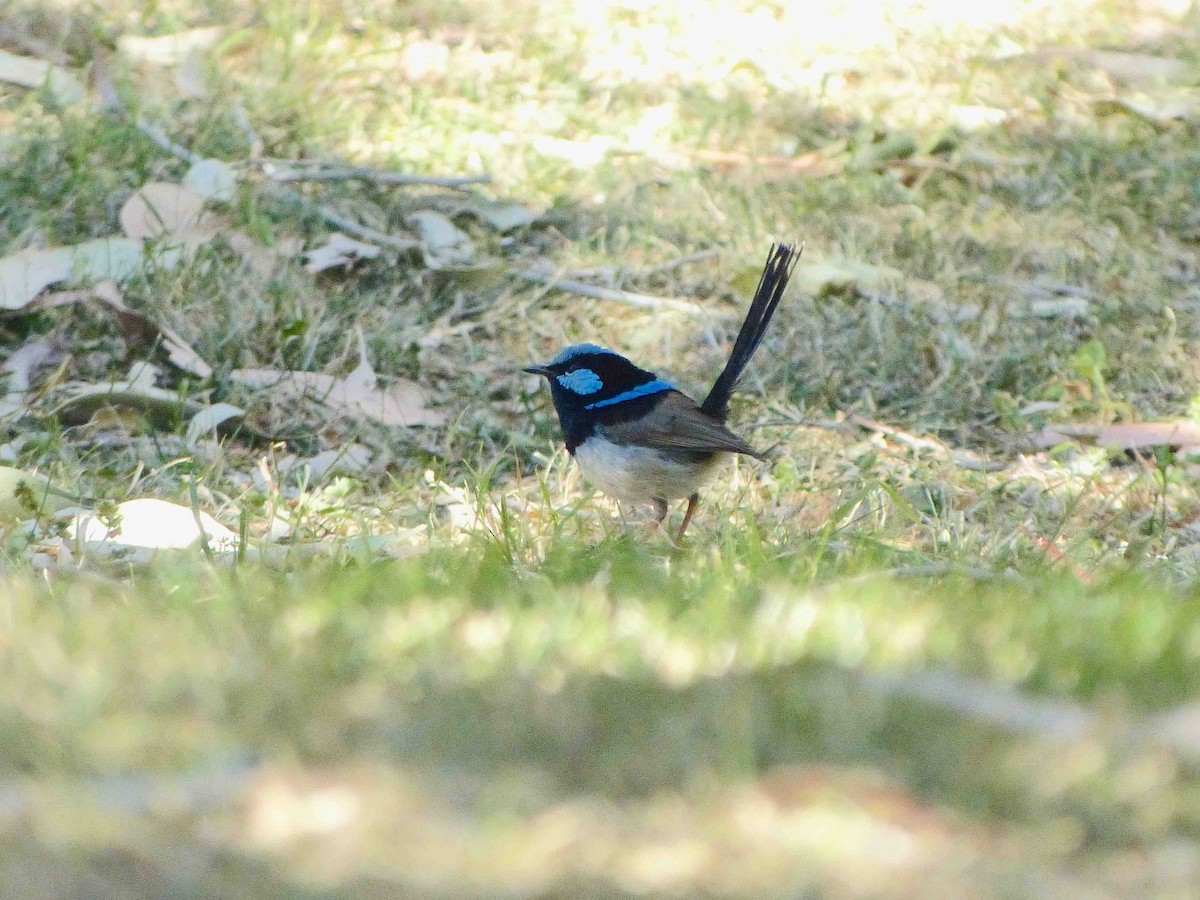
587,381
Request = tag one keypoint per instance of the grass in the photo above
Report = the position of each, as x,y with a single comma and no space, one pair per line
875,669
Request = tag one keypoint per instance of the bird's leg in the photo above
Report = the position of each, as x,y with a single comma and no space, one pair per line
687,516
660,510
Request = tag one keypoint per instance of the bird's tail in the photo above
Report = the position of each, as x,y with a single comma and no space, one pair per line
780,262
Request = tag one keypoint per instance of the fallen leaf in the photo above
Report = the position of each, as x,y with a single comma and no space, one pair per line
168,49
190,78
208,419
401,404
351,460
115,258
1140,68
212,179
29,72
1160,111
423,60
24,495
150,524
261,259
26,273
20,364
338,250
1128,436
1055,308
19,367
503,216
165,408
839,274
443,245
159,209
580,154
179,352
973,118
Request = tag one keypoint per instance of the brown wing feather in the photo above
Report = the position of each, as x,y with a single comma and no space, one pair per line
677,423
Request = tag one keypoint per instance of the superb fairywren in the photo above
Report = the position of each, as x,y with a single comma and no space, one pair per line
635,435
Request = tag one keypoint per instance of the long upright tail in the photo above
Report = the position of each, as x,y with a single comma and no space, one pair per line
780,262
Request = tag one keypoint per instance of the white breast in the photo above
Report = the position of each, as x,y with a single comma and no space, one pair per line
639,474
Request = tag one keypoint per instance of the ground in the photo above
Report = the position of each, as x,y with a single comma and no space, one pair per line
944,643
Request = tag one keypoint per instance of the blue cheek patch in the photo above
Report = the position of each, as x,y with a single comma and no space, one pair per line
581,381
642,390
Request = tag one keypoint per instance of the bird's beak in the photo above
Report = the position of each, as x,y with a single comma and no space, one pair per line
537,370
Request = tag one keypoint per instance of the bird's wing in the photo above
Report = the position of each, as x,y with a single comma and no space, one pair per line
677,423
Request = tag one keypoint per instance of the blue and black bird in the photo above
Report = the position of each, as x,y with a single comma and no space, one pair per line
635,435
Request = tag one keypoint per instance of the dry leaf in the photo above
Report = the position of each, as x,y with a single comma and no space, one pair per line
351,460
443,245
137,326
178,350
401,404
34,73
580,154
190,78
503,216
338,250
208,419
1180,106
24,495
212,179
838,274
169,49
358,394
261,259
25,274
165,408
1140,68
1129,436
160,209
19,367
1054,308
150,524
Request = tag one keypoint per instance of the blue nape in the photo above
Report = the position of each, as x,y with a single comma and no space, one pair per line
656,386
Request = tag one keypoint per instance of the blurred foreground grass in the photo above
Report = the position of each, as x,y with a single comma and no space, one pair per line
609,723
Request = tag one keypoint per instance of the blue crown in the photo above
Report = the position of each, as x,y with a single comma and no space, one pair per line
579,350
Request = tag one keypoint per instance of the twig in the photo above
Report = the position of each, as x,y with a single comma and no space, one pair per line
701,256
898,434
331,216
33,46
345,223
962,458
816,163
367,173
242,119
642,301
1003,707
159,137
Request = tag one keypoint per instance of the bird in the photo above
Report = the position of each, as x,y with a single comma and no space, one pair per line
634,434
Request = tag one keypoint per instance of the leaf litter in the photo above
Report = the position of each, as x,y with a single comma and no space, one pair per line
403,403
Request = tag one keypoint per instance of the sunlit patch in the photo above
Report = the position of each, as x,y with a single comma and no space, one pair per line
581,381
